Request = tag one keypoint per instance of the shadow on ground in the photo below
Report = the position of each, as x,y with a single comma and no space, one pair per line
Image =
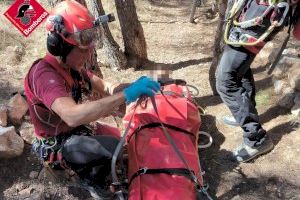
214,160
277,132
262,188
170,4
263,84
272,113
151,65
210,100
6,90
217,164
16,169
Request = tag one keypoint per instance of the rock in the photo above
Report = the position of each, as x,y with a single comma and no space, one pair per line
47,195
287,101
33,175
36,196
237,197
279,85
11,144
290,52
27,132
9,49
17,108
289,61
197,20
20,186
32,192
280,70
296,109
294,76
15,53
19,52
283,67
288,90
272,49
26,192
264,57
3,115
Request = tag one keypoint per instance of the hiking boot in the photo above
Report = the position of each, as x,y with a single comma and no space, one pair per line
229,120
245,153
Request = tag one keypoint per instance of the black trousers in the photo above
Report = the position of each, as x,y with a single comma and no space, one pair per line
235,84
90,156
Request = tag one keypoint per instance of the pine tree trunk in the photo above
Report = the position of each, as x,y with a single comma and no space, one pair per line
52,3
132,31
111,54
218,46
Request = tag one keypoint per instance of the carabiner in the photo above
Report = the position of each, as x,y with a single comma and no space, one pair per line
143,170
286,7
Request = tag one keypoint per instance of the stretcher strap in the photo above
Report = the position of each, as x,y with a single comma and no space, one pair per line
170,171
158,124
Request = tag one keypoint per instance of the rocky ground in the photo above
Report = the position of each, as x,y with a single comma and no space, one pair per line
187,49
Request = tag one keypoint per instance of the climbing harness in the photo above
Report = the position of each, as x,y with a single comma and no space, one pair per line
273,16
49,150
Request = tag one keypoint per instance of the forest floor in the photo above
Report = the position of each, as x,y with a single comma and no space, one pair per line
187,49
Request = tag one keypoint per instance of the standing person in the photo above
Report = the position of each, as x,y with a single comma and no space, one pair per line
54,86
249,25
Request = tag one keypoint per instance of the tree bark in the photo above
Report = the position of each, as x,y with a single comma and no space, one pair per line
218,46
111,54
52,3
132,31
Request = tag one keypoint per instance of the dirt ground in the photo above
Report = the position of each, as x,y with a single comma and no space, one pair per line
187,49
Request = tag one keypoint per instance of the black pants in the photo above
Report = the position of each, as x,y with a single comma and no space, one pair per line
235,84
90,156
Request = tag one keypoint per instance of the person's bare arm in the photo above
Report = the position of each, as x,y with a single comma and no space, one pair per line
106,88
77,114
103,87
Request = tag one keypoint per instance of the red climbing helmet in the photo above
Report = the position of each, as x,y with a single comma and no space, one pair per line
73,22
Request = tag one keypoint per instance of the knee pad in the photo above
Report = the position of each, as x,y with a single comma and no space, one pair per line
82,150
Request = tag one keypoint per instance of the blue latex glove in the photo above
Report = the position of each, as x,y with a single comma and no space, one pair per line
142,86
